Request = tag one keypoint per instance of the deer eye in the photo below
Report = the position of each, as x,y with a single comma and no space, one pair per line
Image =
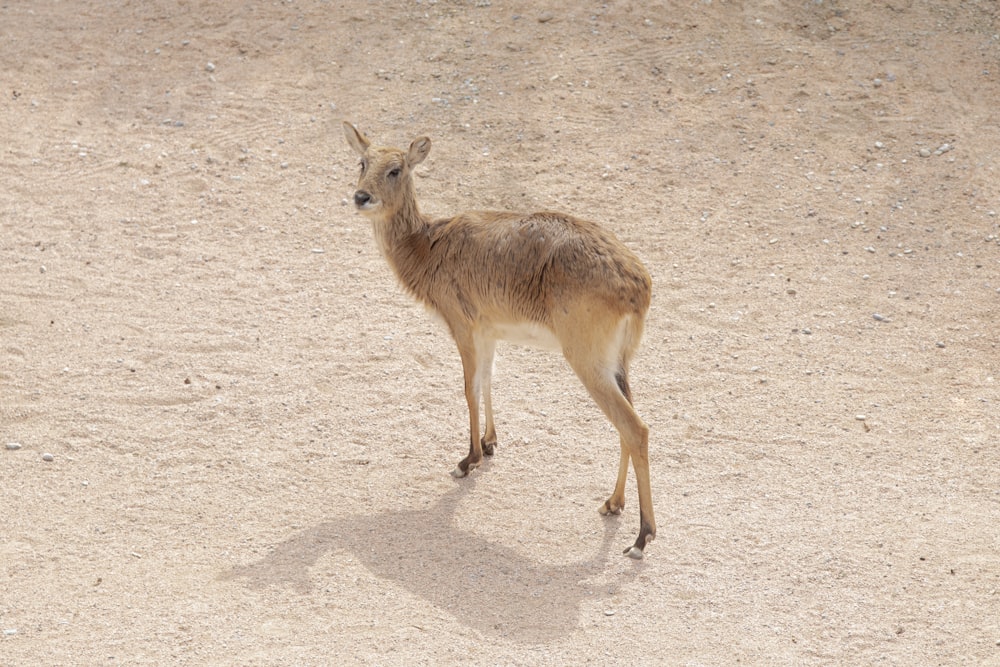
393,173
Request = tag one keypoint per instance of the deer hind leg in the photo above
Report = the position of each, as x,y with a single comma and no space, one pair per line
604,376
477,365
616,503
647,523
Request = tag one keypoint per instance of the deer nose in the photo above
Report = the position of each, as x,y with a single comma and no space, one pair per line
361,198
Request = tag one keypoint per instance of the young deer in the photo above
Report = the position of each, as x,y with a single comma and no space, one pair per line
542,278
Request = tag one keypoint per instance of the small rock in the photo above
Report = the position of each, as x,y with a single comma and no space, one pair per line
10,632
925,152
609,612
48,457
13,446
860,418
940,343
210,67
880,318
545,17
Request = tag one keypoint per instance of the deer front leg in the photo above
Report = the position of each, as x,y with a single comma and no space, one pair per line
471,369
485,374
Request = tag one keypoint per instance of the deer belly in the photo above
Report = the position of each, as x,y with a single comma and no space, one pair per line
526,333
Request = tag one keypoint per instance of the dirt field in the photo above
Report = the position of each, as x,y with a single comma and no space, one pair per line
249,426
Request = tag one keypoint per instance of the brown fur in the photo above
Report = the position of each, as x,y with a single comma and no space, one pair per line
488,274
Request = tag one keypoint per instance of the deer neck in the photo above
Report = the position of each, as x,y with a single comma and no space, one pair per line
397,233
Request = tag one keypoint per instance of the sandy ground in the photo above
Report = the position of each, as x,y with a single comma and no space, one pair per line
251,426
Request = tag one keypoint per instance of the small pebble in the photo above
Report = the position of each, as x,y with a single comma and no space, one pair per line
48,457
10,632
925,152
545,17
860,418
940,343
880,318
210,67
13,446
609,612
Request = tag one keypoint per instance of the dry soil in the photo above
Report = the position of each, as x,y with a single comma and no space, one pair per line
250,426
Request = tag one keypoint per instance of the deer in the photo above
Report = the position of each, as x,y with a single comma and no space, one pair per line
544,279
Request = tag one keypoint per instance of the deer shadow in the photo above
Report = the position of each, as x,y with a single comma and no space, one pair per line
485,585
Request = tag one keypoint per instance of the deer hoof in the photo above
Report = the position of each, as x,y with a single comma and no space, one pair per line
634,553
458,473
609,508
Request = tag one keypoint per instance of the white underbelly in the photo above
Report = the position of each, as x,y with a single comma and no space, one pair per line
525,333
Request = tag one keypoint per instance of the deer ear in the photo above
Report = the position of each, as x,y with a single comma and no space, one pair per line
358,141
418,151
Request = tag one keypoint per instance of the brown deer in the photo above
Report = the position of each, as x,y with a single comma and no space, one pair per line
545,279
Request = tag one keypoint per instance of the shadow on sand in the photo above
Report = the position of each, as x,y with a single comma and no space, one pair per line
484,585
